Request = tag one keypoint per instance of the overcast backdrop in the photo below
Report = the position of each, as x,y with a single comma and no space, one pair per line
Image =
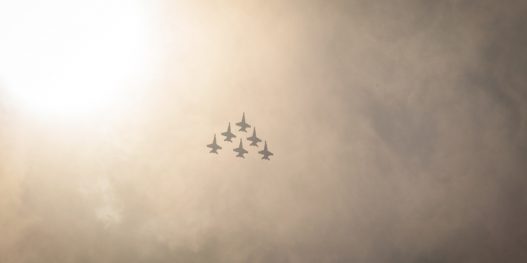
399,130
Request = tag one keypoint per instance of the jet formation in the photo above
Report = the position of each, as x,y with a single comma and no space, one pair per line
240,150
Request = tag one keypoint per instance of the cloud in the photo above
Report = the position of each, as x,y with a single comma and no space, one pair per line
398,127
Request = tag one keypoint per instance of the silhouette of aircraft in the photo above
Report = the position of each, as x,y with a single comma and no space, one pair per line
243,125
266,153
240,150
228,134
253,139
214,146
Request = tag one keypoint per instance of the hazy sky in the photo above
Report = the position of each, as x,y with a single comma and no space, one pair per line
399,130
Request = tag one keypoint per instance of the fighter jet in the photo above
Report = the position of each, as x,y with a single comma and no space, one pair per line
228,134
214,146
243,125
253,139
266,153
240,150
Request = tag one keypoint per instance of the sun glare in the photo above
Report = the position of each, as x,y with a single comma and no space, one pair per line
71,58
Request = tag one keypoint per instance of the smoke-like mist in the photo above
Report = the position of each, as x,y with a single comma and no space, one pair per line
399,130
